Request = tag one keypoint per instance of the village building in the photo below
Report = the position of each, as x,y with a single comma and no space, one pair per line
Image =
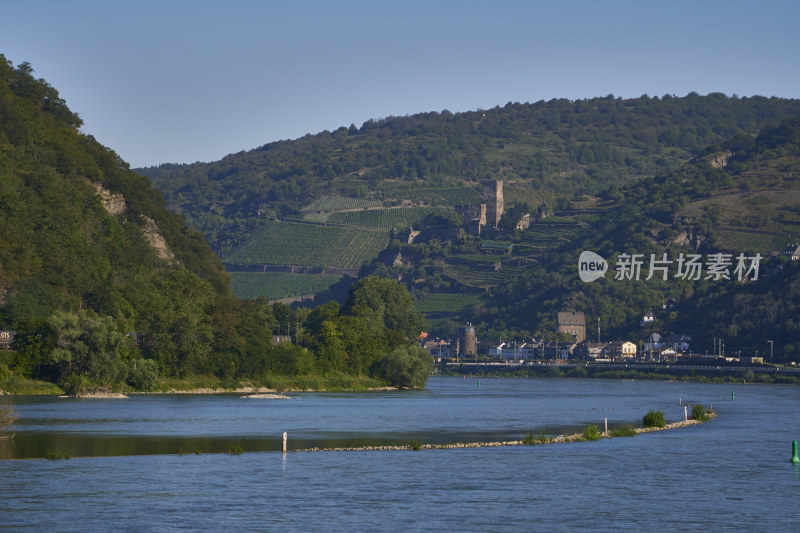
678,342
572,323
792,252
524,222
620,350
589,350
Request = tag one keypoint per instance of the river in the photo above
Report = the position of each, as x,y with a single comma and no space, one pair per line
158,462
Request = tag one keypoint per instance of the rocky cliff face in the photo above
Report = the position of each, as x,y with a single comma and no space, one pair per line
114,204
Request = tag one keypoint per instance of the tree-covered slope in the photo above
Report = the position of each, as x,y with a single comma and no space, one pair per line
541,150
80,230
742,188
89,253
104,288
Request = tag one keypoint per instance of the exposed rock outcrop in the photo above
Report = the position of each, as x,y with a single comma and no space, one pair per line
156,240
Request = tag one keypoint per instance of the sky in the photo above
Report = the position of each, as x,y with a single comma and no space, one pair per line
179,81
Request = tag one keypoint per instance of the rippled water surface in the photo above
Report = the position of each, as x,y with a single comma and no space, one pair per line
134,464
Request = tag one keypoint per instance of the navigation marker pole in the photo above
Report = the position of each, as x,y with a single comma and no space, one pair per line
284,442
795,458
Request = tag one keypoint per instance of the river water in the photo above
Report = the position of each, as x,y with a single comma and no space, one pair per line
158,463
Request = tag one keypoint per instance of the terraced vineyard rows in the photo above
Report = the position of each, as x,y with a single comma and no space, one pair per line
339,203
319,218
743,242
386,218
277,285
482,279
433,195
287,243
547,235
375,218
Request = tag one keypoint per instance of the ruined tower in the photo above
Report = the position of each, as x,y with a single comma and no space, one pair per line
493,198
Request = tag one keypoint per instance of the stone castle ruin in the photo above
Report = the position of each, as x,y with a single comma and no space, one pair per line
476,217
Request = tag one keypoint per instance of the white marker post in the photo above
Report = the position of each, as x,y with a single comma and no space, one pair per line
284,442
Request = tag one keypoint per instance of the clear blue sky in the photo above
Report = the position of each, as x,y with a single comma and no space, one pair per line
177,81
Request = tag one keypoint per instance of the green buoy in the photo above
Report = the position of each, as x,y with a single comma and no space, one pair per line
795,458
733,396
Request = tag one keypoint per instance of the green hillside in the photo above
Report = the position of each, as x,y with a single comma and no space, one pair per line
288,243
542,150
105,289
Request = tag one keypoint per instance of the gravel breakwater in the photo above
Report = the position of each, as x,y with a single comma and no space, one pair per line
575,437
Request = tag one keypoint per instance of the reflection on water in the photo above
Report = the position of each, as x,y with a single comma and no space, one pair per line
448,411
730,474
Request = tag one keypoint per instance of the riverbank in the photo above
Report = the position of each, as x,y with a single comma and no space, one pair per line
574,437
14,385
645,372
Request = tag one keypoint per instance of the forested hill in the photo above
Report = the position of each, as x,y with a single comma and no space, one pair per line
741,196
102,288
79,228
540,150
85,238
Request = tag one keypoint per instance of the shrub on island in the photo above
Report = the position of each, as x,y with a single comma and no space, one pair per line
591,432
654,419
699,413
623,431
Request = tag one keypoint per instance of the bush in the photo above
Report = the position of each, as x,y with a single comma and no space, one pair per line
654,419
591,432
623,431
236,449
57,456
699,413
533,438
415,444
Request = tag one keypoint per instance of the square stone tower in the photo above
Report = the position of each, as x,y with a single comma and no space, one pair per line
493,197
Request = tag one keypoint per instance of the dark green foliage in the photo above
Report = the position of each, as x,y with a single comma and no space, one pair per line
57,456
415,444
407,367
623,431
143,374
388,302
91,352
654,419
533,438
590,432
560,147
699,413
76,230
236,449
